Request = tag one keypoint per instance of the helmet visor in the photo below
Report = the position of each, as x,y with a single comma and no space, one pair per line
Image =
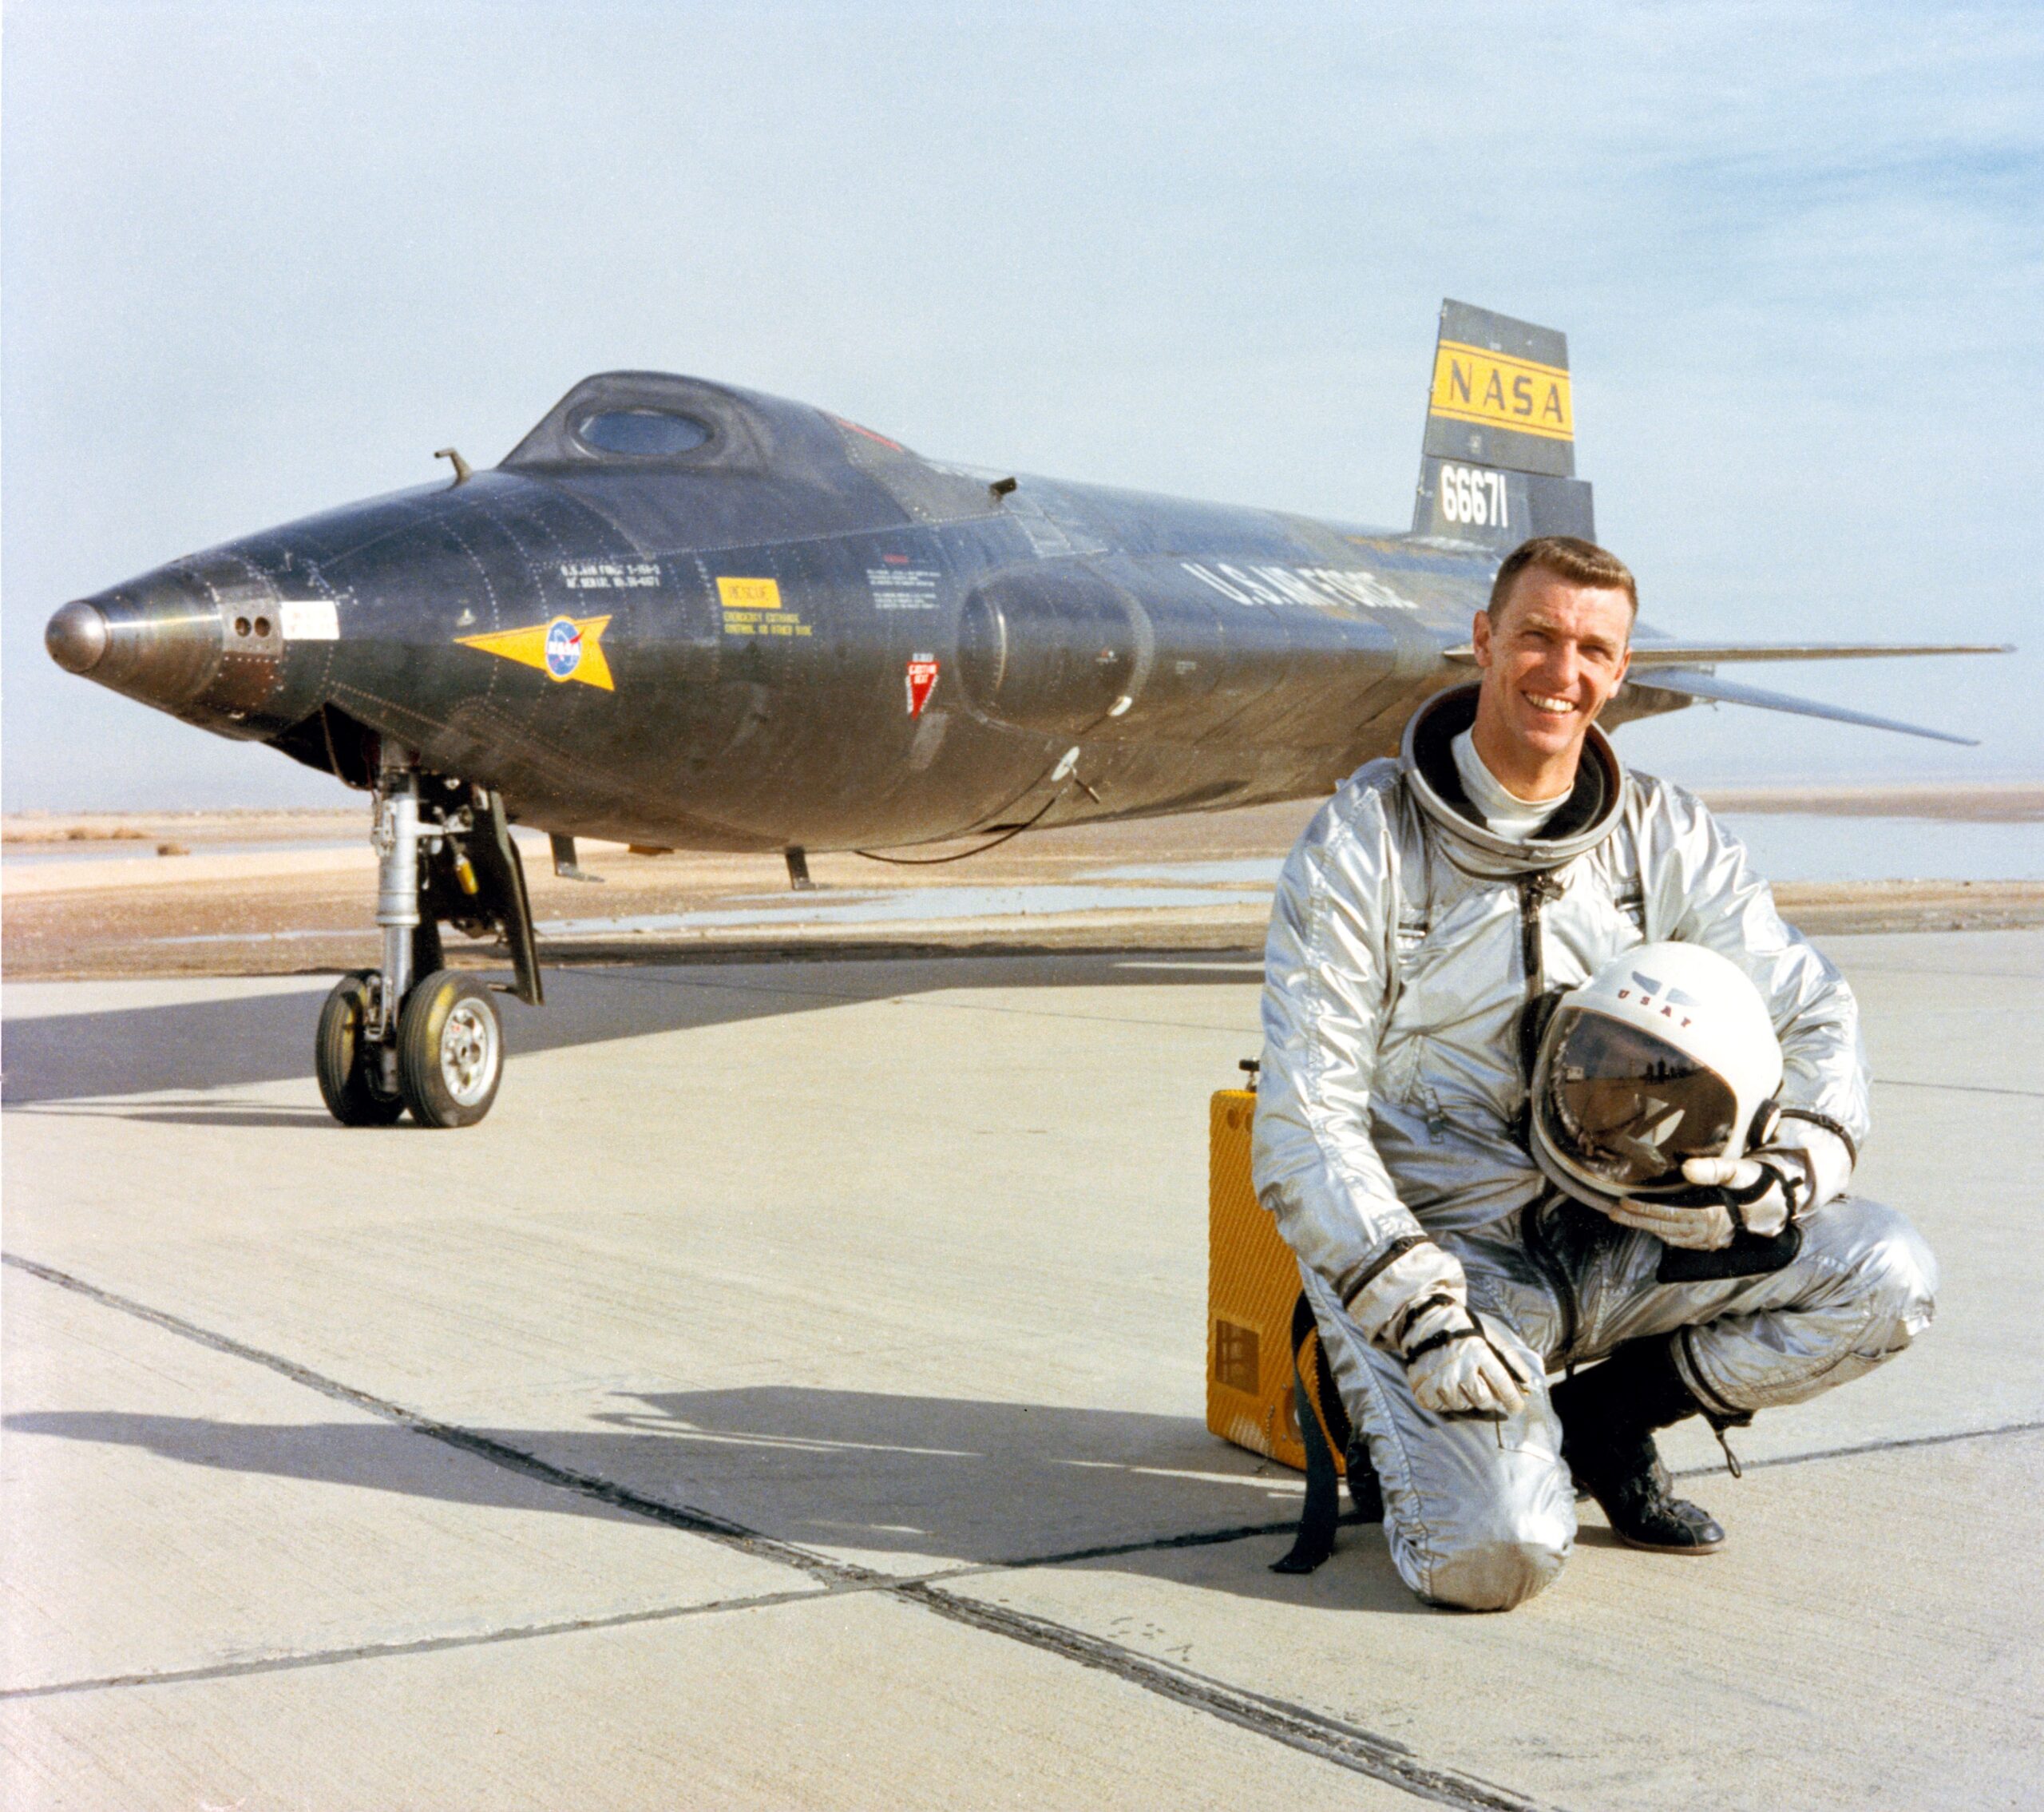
1624,1107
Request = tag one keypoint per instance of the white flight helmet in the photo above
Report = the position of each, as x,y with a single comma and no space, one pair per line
1665,1053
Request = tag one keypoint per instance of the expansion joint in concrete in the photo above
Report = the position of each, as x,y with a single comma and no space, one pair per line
1294,1726
1346,1745
291,1661
1297,1727
1900,1443
1958,1088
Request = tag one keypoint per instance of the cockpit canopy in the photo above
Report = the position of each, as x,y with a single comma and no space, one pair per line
642,433
647,420
753,467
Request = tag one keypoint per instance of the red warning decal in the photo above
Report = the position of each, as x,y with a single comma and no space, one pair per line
922,681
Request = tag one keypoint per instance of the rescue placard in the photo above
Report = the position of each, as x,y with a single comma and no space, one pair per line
749,594
752,607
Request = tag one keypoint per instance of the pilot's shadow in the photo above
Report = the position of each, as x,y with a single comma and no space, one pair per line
947,1479
963,1477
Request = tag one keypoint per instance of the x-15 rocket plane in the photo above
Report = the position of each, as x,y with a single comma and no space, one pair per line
684,614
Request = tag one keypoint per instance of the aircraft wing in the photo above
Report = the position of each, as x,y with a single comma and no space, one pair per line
1681,672
1688,683
1664,653
1711,654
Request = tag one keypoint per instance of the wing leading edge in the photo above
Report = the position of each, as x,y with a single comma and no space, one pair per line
1671,674
1658,653
1684,670
1690,684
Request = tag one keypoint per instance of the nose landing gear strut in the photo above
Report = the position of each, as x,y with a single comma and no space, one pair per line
414,1035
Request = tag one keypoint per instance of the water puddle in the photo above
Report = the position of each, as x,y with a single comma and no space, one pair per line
1783,846
1260,871
1036,901
1805,846
263,937
137,849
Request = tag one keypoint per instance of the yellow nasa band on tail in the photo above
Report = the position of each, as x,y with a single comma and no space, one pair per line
1496,390
563,648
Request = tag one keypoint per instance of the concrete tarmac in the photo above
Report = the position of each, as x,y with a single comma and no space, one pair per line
792,1396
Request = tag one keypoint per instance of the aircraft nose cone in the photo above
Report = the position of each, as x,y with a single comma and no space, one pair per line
77,636
159,639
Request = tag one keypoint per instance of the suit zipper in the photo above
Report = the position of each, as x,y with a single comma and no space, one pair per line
1545,1260
1535,890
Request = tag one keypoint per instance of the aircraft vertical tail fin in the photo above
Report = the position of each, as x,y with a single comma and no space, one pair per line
1497,466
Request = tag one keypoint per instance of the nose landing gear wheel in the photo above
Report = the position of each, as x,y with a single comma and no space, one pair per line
450,1050
345,1061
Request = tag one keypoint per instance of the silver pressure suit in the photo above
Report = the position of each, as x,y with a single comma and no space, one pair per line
1407,947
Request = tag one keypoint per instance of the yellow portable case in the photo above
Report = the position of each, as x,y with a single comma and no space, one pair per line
1252,1286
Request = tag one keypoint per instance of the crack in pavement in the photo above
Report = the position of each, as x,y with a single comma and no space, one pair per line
497,1453
1897,1446
1346,1745
289,1660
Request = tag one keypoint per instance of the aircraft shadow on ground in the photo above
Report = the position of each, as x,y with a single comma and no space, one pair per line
215,1044
955,1480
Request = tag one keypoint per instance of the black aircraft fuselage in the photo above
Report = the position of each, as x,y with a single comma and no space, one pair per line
686,616
793,631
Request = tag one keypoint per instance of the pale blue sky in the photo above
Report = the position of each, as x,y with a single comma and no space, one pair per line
264,259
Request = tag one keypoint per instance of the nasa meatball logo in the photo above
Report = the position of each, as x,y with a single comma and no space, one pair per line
563,648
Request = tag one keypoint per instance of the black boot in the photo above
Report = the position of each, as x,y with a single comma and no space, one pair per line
1608,1417
1364,1492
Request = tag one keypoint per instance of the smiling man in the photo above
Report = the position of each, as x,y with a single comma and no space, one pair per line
1425,927
1553,647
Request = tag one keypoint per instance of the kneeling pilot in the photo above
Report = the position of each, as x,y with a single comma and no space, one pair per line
1425,927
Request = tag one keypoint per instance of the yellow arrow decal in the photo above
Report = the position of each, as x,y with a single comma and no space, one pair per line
568,647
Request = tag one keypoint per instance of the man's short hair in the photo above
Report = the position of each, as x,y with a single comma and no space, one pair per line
1566,557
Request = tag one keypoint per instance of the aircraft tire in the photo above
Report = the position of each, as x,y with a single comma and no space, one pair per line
450,1049
338,1054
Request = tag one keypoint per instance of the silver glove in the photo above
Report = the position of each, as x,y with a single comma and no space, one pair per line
1455,1370
1758,1194
1415,1303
